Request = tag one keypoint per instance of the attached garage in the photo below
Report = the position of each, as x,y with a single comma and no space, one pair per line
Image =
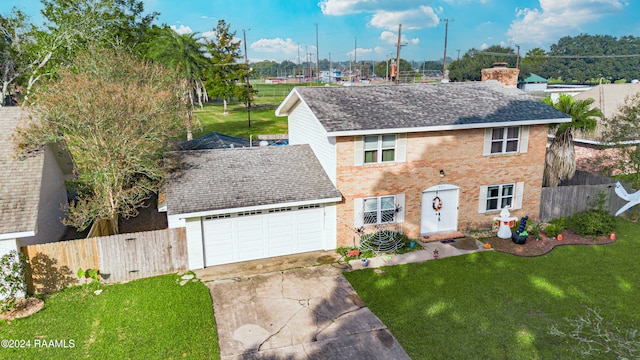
247,204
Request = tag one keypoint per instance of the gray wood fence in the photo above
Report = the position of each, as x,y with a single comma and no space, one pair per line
578,194
126,257
119,258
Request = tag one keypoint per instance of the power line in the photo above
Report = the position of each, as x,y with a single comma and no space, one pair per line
560,56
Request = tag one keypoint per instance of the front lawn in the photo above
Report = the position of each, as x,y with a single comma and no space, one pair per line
491,305
153,318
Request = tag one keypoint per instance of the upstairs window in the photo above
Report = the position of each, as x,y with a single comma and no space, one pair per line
505,140
379,148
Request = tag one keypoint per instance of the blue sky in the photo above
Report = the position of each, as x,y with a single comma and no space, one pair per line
278,29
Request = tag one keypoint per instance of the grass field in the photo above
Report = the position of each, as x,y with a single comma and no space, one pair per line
492,305
236,123
153,318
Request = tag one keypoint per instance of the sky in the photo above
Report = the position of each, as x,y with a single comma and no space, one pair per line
368,29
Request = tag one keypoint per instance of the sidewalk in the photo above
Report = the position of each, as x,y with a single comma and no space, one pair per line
427,253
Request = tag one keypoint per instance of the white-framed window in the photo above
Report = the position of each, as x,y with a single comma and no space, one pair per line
379,148
506,140
379,210
499,196
376,210
496,197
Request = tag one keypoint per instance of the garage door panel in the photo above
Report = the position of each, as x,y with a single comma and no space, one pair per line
251,237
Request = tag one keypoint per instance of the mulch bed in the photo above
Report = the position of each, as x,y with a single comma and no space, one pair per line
24,308
533,247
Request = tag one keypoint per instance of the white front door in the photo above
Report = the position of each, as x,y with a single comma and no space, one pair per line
439,209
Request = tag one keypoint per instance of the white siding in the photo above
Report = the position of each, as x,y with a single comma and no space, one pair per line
330,226
304,128
195,250
175,221
53,196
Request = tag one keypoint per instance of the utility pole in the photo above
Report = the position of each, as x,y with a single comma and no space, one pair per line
355,58
299,68
317,55
458,54
246,62
398,55
518,57
310,69
330,66
444,60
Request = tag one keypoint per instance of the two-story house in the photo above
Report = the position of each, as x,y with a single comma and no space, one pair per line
437,158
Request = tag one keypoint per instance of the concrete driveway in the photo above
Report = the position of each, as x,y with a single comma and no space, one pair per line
306,313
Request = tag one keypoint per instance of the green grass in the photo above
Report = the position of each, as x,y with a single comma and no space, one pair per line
236,123
152,318
491,305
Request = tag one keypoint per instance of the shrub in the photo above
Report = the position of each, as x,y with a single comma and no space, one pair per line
12,278
552,230
592,222
561,222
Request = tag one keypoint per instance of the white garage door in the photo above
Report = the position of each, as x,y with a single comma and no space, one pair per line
255,235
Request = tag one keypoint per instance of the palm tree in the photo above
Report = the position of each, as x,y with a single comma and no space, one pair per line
186,54
560,161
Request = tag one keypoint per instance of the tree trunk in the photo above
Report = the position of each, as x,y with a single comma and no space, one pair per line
224,106
103,227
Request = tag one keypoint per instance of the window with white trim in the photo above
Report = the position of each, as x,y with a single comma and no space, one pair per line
499,196
380,210
505,140
379,148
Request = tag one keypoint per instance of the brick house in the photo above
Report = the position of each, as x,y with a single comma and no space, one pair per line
435,158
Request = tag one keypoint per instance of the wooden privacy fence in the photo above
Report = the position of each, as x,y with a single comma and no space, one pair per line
119,258
578,193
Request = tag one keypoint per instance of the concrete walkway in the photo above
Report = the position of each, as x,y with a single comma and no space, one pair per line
308,312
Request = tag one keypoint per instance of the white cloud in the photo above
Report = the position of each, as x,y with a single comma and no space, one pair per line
345,7
484,46
277,45
359,52
415,41
209,35
182,29
411,19
392,38
557,18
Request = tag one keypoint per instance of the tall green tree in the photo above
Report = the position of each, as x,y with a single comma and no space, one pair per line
13,60
381,67
560,160
226,70
72,26
469,67
532,62
115,114
186,54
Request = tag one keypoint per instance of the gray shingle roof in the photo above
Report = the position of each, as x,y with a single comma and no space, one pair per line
355,108
205,180
21,178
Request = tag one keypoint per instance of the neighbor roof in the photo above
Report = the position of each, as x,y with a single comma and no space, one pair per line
213,140
230,179
609,97
21,178
534,78
426,107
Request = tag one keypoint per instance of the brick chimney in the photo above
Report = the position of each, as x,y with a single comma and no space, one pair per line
501,73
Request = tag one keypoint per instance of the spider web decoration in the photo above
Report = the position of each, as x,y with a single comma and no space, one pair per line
381,238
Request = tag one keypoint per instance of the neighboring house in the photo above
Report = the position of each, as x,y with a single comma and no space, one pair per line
533,83
250,203
554,91
32,190
593,153
436,158
214,140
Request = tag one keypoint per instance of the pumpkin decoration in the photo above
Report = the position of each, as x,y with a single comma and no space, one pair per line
612,236
487,246
559,237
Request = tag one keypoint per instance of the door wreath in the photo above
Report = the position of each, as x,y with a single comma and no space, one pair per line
437,203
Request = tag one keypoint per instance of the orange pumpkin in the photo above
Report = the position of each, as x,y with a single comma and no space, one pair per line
487,246
612,236
559,237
